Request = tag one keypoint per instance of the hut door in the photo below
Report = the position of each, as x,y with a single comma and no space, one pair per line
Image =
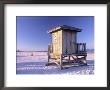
69,39
69,42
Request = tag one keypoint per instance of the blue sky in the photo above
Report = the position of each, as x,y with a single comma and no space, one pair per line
32,30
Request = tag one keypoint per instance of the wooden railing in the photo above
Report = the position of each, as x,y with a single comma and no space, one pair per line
80,48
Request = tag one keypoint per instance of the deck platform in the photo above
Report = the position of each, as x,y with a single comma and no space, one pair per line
60,60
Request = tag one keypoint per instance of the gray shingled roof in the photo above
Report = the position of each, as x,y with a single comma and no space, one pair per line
65,27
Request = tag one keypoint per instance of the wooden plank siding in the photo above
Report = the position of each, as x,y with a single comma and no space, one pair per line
68,42
57,43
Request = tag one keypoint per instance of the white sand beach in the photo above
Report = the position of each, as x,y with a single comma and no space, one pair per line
34,63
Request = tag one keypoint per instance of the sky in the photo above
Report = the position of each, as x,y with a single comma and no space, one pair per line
31,31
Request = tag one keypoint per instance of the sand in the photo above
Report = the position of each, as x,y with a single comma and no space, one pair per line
35,64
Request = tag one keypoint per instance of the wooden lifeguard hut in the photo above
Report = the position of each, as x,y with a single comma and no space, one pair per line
64,45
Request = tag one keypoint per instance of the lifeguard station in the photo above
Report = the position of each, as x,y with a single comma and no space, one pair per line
64,47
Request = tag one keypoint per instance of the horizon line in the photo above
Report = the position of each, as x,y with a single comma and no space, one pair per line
38,50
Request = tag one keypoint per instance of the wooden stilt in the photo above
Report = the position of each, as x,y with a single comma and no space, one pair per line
61,62
85,47
69,58
85,61
48,55
48,58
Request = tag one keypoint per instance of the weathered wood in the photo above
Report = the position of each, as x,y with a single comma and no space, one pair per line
57,42
73,58
64,44
49,47
85,47
69,57
61,62
81,48
68,42
85,61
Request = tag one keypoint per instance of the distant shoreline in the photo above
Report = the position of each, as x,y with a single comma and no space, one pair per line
31,51
88,50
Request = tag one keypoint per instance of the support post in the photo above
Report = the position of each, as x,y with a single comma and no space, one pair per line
48,58
85,61
85,47
69,58
61,62
48,55
77,48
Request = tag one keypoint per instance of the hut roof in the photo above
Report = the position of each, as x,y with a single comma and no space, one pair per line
65,27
